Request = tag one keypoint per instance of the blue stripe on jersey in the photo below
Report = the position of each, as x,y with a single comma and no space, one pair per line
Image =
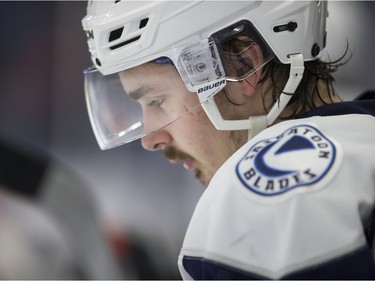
364,105
204,269
355,266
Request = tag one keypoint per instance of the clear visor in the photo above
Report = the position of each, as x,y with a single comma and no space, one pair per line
131,104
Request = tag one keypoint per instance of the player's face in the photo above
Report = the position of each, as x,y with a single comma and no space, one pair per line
191,140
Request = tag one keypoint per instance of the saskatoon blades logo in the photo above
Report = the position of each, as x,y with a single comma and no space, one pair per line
299,157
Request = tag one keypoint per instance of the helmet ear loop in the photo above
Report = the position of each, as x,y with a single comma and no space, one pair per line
228,96
230,99
251,85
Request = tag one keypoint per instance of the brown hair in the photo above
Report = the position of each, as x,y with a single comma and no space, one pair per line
309,94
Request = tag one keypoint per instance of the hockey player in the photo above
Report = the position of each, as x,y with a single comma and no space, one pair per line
237,92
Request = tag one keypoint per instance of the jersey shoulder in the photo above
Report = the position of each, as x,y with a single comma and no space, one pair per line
272,209
304,154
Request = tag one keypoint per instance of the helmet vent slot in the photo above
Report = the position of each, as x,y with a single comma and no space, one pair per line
125,43
115,34
143,23
291,26
116,1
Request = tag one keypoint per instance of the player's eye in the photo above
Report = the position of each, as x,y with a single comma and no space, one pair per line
156,102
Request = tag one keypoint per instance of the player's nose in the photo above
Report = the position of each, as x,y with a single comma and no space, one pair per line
157,140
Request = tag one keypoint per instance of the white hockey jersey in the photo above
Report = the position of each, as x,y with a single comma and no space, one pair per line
295,202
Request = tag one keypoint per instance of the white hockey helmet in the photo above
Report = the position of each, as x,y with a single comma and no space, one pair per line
123,34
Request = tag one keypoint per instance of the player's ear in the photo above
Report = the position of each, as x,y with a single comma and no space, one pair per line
239,92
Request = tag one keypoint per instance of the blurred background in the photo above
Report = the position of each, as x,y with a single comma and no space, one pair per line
80,213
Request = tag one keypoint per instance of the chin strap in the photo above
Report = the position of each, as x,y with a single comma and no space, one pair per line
295,76
259,123
256,124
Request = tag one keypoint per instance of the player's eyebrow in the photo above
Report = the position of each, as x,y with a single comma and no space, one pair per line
139,93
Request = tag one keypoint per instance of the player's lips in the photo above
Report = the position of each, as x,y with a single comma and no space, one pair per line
187,163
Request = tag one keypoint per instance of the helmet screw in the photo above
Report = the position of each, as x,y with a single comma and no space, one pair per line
97,61
315,50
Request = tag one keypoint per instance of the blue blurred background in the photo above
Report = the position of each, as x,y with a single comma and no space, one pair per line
117,214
